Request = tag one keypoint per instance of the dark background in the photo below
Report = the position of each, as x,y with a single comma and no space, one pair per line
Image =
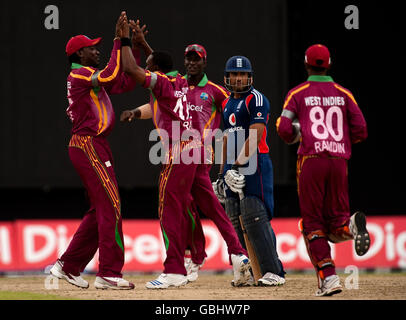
37,179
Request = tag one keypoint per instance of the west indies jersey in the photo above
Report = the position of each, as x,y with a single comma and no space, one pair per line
168,103
239,114
204,103
329,117
90,108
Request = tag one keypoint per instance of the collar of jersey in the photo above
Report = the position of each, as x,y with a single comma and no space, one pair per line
76,66
320,78
173,73
202,82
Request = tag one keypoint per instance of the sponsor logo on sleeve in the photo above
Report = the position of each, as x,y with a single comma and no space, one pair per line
259,116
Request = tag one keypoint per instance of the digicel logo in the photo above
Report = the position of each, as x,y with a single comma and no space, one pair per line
29,245
232,119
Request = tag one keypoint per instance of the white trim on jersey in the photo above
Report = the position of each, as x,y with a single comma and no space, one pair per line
154,79
259,100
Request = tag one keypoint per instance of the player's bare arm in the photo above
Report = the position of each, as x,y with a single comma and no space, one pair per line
233,178
142,112
251,144
218,185
223,154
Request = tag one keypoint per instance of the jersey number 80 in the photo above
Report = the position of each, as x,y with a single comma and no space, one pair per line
322,124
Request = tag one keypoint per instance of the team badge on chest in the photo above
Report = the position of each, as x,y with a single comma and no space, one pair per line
204,96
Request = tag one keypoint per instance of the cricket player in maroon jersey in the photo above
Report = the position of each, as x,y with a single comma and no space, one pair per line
204,104
92,116
327,119
204,99
178,180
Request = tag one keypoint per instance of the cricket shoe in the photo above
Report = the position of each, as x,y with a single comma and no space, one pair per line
330,285
164,281
358,227
241,269
192,269
271,279
57,272
114,283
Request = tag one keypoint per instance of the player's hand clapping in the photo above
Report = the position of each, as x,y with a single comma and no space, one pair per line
138,34
119,24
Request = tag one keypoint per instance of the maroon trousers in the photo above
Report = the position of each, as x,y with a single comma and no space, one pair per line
196,241
176,183
101,227
324,206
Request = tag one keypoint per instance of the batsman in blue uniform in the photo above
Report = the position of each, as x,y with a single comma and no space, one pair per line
246,174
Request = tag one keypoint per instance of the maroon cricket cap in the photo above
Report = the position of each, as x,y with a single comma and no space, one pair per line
318,55
200,50
78,42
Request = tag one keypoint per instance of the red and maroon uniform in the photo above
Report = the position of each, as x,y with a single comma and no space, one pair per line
169,103
92,116
330,122
204,106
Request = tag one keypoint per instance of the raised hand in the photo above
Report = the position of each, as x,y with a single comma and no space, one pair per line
138,33
125,27
119,25
122,26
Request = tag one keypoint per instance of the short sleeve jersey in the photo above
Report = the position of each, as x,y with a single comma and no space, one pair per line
239,114
169,103
90,108
329,117
204,104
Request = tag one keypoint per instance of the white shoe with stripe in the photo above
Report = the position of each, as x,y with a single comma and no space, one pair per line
165,281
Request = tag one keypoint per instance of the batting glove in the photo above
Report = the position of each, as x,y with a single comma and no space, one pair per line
234,180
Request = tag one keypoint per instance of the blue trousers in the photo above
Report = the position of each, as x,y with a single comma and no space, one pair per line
260,185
